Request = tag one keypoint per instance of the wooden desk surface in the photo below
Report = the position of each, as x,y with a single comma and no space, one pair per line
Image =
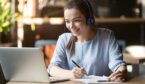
136,80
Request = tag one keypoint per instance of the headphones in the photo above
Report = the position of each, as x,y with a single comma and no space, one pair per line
90,19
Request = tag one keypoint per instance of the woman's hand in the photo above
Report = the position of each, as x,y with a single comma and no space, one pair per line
118,75
78,72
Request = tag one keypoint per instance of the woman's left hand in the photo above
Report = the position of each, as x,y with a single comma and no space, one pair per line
118,75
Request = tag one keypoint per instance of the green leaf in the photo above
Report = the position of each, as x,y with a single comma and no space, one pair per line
6,16
6,24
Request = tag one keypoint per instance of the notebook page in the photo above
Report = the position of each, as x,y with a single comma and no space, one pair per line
92,79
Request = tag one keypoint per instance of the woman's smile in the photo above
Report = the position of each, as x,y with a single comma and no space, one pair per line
75,30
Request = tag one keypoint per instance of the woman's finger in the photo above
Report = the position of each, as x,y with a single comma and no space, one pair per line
115,75
119,75
83,71
78,72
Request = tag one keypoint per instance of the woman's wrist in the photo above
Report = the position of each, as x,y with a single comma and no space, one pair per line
122,69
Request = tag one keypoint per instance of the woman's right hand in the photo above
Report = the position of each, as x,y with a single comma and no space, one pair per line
78,72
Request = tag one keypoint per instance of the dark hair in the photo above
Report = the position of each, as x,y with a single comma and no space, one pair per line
86,9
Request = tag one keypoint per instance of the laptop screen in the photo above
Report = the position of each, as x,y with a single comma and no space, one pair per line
23,64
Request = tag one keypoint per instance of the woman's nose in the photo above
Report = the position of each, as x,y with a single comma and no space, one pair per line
71,25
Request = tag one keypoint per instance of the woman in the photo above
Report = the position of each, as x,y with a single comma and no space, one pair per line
95,51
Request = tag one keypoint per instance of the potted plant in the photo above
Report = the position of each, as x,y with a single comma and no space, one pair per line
5,19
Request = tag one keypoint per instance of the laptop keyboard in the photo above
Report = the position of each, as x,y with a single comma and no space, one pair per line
54,79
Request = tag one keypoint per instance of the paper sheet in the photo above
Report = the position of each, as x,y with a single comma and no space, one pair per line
92,79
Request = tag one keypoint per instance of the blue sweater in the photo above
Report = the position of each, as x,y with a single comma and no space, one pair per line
98,56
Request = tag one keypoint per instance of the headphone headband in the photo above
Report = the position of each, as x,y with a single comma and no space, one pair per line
91,19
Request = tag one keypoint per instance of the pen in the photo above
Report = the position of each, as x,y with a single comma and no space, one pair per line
78,67
76,64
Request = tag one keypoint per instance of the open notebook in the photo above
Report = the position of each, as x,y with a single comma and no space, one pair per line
92,79
24,65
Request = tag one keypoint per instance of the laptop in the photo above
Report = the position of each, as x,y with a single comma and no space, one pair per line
24,65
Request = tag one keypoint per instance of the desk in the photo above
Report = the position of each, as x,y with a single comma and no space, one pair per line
135,80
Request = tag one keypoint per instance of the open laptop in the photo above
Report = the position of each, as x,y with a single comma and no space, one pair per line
24,65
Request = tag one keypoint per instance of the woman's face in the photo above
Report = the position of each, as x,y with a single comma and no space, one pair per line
75,21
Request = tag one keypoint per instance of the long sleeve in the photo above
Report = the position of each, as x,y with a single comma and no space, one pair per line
59,57
115,54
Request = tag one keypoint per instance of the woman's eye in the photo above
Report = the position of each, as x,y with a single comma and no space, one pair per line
77,20
66,21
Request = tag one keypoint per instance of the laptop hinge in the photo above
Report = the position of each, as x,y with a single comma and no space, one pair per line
2,78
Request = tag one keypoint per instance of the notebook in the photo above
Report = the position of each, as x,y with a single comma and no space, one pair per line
24,65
